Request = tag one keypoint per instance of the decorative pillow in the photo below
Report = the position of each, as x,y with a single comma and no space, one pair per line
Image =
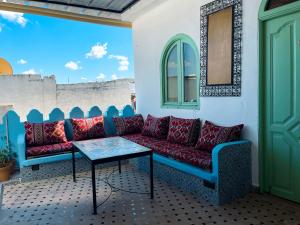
212,135
38,134
89,128
156,127
183,131
129,125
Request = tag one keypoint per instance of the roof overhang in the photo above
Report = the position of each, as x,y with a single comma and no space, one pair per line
114,6
122,17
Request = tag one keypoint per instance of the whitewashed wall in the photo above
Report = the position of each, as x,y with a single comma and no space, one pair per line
102,94
152,30
25,92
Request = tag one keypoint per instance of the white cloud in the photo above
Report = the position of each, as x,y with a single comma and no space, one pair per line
100,77
30,71
97,51
114,77
22,61
73,65
123,61
83,78
14,17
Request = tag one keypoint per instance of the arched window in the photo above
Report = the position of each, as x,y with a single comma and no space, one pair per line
180,72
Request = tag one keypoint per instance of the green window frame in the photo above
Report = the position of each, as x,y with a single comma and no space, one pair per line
178,44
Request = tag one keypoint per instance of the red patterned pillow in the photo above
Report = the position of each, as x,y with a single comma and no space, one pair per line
183,131
129,125
38,134
89,128
156,127
212,135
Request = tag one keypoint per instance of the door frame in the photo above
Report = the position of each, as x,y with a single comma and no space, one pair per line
262,18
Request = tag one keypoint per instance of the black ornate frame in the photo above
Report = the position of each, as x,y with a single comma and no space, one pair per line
233,89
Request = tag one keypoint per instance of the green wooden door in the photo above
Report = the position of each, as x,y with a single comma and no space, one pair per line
282,106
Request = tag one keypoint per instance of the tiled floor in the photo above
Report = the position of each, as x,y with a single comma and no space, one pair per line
60,201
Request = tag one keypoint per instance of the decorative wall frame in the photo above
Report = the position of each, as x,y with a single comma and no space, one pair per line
234,88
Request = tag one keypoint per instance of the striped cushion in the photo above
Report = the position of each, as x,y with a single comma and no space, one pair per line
37,134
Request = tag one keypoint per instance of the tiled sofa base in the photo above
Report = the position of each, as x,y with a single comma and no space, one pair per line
182,180
56,169
231,174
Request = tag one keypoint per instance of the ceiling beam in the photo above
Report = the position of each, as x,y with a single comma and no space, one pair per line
63,14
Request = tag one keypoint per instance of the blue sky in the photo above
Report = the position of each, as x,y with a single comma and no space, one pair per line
78,51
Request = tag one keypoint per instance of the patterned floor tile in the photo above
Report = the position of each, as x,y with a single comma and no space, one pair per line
58,200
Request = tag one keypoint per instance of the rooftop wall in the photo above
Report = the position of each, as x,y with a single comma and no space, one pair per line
103,94
25,92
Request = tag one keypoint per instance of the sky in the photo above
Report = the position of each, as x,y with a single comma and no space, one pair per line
73,51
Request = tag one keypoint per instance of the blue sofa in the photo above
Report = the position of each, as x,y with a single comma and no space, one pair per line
17,131
228,177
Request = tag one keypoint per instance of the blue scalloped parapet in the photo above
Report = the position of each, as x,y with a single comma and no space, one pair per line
16,132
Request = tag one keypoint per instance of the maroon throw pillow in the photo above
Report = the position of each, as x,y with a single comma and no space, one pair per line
89,128
212,135
38,134
183,131
129,125
156,127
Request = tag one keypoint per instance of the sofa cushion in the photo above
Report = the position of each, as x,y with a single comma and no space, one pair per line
186,154
156,127
212,135
128,125
37,134
183,131
44,150
201,159
88,128
142,140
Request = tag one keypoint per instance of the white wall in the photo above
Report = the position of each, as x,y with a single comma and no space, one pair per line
151,32
25,92
85,95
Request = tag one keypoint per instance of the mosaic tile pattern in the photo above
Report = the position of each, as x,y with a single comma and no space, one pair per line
55,169
58,201
233,169
233,89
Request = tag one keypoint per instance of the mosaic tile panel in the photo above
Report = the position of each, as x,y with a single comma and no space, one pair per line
221,90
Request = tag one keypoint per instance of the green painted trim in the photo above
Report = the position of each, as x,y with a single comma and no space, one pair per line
174,106
263,17
164,90
263,185
178,40
280,11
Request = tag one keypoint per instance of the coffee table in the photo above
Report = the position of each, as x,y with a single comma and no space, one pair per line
110,149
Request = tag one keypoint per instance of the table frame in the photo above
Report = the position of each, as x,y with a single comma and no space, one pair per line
93,163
